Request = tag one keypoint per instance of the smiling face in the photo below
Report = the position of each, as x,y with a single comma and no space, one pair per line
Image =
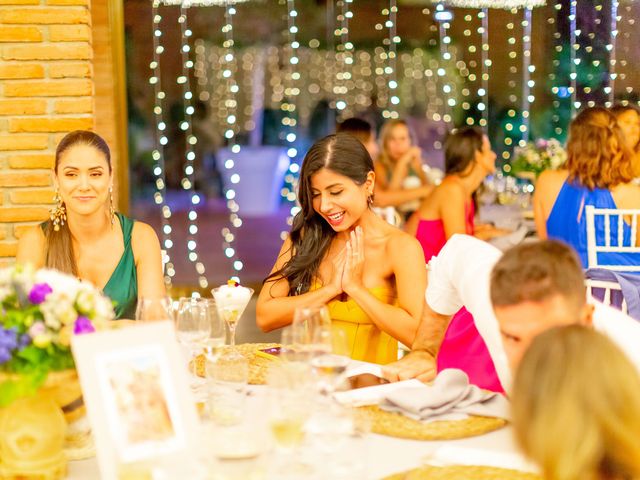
338,199
398,142
522,322
83,179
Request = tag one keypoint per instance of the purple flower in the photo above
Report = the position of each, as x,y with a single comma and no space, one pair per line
23,341
39,292
83,325
5,355
8,338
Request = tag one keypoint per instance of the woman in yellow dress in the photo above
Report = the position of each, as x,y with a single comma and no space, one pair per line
371,275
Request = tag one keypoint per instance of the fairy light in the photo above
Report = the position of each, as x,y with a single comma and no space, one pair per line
391,108
228,73
472,78
344,61
610,89
498,4
188,178
486,65
527,70
574,60
161,141
554,79
444,17
288,107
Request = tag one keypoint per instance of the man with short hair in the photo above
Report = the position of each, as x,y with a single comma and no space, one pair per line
512,297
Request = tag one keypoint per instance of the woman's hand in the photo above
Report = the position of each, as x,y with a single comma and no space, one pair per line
338,264
354,262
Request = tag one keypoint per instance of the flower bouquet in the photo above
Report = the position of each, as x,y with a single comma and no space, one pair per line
536,157
39,312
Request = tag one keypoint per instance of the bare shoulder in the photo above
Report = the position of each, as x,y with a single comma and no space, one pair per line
31,247
402,246
143,236
551,179
627,196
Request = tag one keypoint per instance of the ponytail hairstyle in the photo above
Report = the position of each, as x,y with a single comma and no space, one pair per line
58,245
311,235
460,147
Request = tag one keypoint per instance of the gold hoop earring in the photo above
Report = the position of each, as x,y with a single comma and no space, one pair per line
112,210
58,214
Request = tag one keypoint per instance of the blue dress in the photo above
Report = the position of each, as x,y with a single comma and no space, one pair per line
568,222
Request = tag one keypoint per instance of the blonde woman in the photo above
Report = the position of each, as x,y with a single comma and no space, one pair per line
598,172
400,177
628,117
576,407
86,237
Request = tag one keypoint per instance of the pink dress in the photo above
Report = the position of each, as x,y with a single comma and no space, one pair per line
462,347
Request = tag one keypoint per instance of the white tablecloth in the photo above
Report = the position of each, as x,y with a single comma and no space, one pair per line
382,455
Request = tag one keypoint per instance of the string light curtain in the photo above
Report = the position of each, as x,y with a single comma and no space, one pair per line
390,73
228,73
161,140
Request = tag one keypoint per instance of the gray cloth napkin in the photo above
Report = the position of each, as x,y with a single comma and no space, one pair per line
449,394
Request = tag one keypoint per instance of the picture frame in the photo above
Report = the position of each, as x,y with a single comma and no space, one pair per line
136,390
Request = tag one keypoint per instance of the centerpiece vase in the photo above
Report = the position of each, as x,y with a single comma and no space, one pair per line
33,429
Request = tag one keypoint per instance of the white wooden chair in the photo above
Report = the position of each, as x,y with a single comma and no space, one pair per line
608,288
593,248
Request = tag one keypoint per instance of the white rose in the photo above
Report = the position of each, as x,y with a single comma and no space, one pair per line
86,301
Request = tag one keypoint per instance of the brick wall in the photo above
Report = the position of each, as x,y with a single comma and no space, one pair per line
46,90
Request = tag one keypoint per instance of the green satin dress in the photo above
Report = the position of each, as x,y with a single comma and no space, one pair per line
122,287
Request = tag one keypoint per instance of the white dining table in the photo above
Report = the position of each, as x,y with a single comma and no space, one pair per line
377,455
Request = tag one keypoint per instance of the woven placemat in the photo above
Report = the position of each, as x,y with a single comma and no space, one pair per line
258,365
395,424
463,472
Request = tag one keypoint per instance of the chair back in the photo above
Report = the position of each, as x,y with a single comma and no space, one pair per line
614,236
606,292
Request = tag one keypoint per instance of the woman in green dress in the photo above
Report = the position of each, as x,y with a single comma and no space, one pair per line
86,237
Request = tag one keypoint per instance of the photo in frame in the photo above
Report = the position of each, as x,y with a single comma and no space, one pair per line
135,387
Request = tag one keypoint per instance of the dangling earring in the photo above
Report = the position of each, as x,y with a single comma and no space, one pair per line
112,210
58,214
370,199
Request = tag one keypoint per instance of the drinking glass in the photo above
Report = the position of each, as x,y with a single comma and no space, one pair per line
231,302
329,367
151,309
228,377
307,325
193,326
217,335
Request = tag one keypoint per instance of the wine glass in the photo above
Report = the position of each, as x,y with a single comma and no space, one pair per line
217,334
152,309
307,325
231,302
193,326
330,366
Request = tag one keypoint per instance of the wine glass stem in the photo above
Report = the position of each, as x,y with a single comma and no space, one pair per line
232,334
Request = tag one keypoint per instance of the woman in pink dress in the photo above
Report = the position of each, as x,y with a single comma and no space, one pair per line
447,211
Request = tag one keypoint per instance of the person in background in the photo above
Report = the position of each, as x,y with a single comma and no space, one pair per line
340,253
399,168
449,209
576,407
86,237
363,131
628,117
598,172
513,297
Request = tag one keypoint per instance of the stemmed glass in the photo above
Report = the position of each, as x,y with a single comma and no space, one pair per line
151,309
330,365
231,302
217,333
307,327
193,325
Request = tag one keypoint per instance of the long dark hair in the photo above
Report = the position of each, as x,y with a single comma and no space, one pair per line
59,247
460,149
310,234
